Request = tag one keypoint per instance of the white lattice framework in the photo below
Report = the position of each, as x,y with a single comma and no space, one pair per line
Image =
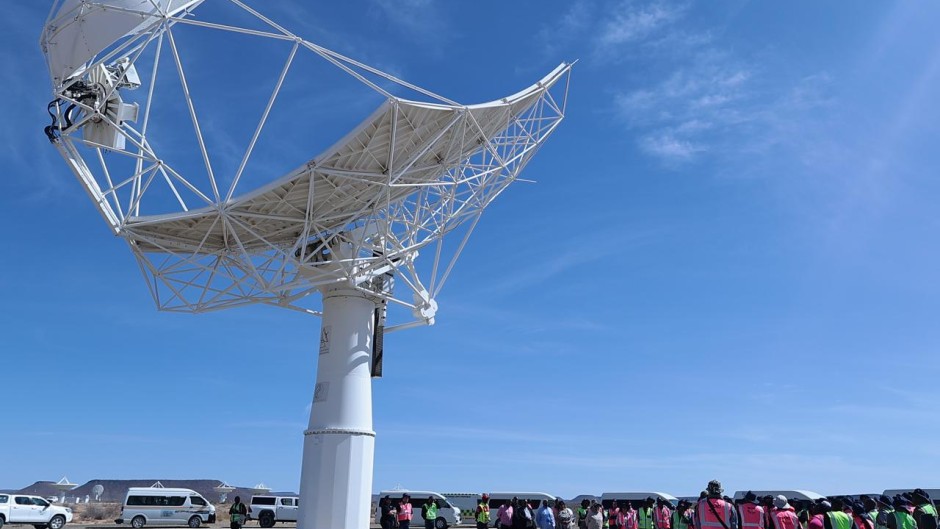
357,214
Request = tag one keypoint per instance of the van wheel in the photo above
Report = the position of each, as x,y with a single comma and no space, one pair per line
195,522
440,523
138,522
266,519
57,522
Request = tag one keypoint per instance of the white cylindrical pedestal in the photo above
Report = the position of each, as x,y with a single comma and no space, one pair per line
339,444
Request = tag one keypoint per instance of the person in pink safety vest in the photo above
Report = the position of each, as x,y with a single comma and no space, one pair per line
712,512
615,516
629,517
783,515
404,512
750,514
662,516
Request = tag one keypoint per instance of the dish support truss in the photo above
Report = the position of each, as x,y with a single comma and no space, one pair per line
356,215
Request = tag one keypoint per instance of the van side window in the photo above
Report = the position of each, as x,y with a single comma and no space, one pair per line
176,501
196,500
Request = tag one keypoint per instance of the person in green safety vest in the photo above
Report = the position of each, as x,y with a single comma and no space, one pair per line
646,514
871,507
483,512
681,516
237,513
901,518
837,518
429,512
924,511
583,513
885,510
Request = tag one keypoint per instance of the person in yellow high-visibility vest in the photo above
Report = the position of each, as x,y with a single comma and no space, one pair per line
483,512
646,514
429,512
901,517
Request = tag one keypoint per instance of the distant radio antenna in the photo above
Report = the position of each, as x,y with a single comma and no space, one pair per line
63,486
224,489
98,490
349,224
260,488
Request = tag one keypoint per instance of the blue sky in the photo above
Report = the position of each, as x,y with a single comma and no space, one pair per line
727,268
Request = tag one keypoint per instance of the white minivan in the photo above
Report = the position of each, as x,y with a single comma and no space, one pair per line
160,506
637,498
447,514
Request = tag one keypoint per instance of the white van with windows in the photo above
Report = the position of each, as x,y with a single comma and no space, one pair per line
447,514
534,499
804,495
161,506
638,499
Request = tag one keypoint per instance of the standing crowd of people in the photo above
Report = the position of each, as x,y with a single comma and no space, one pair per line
911,510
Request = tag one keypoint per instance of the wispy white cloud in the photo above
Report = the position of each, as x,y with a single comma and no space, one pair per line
572,24
633,22
421,20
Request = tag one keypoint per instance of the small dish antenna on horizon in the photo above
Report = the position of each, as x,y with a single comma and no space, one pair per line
260,488
98,491
224,489
215,226
63,486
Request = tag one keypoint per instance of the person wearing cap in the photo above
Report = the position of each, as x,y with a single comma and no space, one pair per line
871,507
713,512
885,511
662,517
404,512
682,517
429,512
767,503
389,518
901,518
860,516
782,516
483,512
750,514
645,514
837,518
818,512
924,511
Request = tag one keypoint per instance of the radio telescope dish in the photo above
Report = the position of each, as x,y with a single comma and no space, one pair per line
260,488
64,485
98,490
215,224
224,489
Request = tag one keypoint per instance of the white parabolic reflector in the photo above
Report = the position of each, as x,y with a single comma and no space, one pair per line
359,213
79,30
